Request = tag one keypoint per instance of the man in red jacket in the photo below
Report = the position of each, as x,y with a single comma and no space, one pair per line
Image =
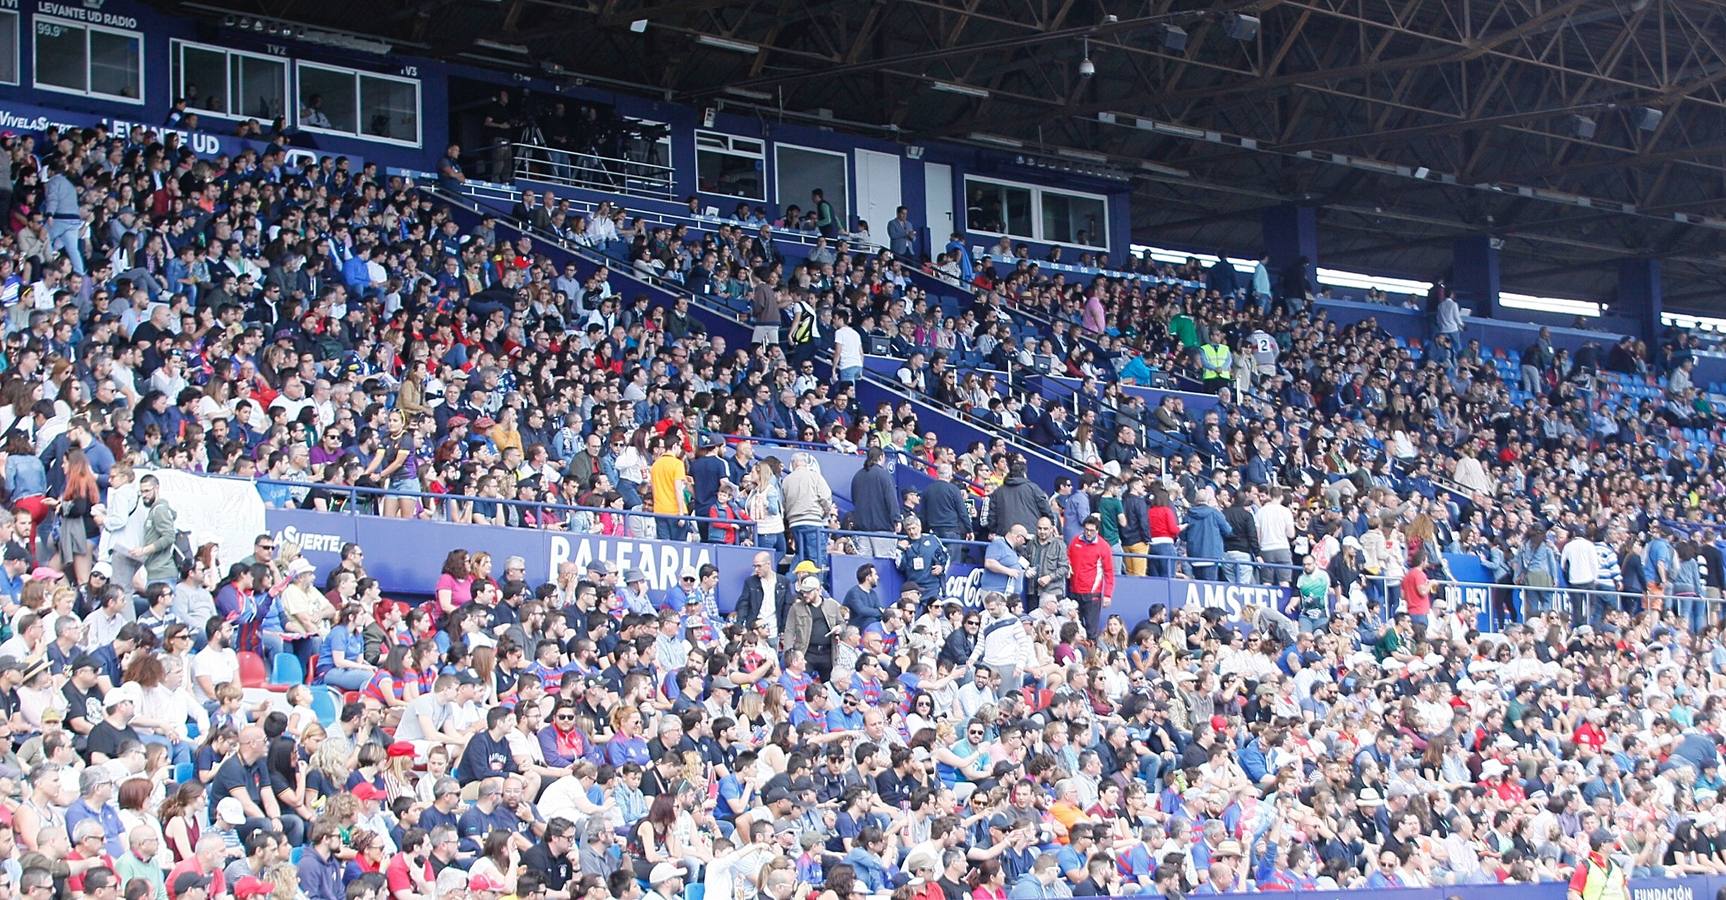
1093,579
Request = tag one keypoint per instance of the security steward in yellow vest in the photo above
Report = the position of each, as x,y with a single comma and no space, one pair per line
1598,877
1217,363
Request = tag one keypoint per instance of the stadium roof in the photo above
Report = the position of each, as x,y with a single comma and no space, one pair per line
1579,131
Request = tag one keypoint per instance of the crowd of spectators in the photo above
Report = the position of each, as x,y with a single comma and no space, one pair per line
323,330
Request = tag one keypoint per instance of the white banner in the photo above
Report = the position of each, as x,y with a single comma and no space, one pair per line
226,511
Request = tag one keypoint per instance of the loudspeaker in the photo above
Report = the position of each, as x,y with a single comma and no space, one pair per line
1243,27
1174,39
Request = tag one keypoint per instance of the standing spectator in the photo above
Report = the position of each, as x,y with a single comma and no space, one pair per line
1093,580
808,506
902,235
812,626
825,221
1205,530
156,547
670,483
1276,529
875,502
66,220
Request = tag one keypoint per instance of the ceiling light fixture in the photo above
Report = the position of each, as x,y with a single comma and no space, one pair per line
996,139
719,43
1086,67
963,90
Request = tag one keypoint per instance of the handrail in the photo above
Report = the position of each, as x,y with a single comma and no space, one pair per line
553,165
355,491
675,287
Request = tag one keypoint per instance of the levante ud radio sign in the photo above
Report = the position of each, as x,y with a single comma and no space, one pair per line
90,11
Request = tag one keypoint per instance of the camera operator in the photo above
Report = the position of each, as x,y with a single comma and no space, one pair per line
559,134
498,129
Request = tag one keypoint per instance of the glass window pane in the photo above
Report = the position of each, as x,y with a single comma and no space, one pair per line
389,109
60,59
998,208
1073,220
9,48
204,78
728,175
1018,204
260,88
327,99
116,64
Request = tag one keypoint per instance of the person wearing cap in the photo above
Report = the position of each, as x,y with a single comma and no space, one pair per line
811,626
251,886
108,736
633,593
189,886
666,881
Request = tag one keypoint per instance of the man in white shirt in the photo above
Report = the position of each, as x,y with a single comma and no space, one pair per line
425,721
1580,561
979,691
292,398
217,662
1276,529
848,349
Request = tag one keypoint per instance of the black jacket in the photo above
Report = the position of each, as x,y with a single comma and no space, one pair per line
944,509
958,647
1246,536
750,603
875,499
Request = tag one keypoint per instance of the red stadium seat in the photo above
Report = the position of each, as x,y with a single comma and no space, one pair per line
253,673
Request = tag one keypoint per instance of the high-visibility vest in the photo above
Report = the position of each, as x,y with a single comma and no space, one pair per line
1605,881
1216,357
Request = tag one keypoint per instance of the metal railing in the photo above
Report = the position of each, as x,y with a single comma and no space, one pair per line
583,169
440,505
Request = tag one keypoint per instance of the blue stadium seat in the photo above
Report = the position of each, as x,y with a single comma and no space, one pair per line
326,703
286,671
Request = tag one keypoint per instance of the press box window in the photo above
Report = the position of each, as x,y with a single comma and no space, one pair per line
359,103
229,83
999,209
730,166
8,47
89,60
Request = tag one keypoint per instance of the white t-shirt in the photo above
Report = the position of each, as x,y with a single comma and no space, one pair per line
848,348
219,664
1581,561
426,705
1275,523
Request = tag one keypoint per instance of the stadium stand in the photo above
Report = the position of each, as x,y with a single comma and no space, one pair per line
1024,578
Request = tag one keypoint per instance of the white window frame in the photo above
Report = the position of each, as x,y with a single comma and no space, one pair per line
729,148
1037,192
178,59
844,166
17,46
36,58
359,113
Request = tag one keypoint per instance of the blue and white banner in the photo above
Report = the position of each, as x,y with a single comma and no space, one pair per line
1134,595
406,555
